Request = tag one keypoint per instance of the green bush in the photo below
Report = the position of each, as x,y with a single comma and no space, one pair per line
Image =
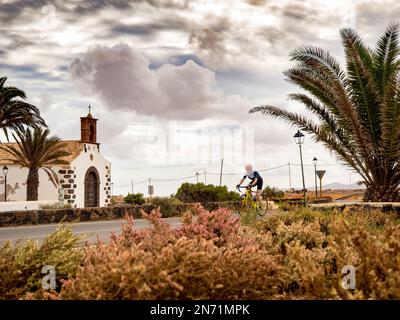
248,217
200,192
271,193
134,198
21,265
167,205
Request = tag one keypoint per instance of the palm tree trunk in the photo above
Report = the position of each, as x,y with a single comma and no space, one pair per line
32,187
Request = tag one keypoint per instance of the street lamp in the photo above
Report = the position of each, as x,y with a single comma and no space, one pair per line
315,160
299,139
5,171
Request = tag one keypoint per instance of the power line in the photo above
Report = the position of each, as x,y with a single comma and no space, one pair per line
206,172
130,184
238,173
273,168
309,165
175,179
189,165
160,167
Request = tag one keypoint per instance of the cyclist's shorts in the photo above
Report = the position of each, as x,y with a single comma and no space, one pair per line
259,184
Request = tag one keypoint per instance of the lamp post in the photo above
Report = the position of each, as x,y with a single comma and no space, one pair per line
5,171
299,139
315,160
197,177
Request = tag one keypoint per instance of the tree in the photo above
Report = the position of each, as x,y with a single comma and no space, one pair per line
199,192
14,113
272,192
36,150
134,198
358,110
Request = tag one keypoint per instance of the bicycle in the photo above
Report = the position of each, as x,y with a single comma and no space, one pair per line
248,202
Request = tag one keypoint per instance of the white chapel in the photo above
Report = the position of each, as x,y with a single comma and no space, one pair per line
84,182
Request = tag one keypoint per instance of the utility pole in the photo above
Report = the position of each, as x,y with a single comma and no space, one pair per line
205,177
197,177
132,187
220,173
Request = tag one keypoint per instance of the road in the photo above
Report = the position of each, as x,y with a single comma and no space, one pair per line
92,229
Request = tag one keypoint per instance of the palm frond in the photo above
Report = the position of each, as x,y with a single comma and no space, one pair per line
310,127
364,92
36,149
15,113
52,175
385,57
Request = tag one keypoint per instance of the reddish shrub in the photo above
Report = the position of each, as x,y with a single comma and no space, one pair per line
296,255
219,225
187,269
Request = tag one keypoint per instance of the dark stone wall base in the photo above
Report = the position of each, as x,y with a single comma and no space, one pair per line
46,216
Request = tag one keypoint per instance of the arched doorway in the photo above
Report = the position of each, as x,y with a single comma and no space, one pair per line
92,187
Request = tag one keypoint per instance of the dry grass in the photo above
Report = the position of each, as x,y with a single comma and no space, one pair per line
295,255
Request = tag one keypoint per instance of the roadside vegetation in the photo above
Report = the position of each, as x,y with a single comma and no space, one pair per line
21,265
134,198
200,192
294,255
272,193
167,205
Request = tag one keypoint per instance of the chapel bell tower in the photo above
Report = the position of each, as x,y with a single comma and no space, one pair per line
89,128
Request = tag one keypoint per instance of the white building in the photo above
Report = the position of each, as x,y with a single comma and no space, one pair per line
85,181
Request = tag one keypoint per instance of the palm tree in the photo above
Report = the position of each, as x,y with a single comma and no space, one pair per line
14,113
36,150
358,110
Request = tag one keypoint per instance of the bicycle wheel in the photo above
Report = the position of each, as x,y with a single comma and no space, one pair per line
241,205
261,210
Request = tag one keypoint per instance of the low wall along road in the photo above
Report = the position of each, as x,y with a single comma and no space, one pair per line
46,216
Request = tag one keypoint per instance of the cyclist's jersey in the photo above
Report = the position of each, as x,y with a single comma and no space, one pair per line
253,175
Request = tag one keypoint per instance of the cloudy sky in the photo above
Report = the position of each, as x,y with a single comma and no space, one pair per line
171,81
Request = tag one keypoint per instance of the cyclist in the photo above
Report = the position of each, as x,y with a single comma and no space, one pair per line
256,180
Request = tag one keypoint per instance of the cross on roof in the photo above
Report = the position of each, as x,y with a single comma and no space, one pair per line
90,107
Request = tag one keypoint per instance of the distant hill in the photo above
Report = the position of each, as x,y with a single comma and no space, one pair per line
340,186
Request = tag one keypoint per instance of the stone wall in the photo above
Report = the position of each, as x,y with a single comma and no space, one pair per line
67,182
46,216
359,206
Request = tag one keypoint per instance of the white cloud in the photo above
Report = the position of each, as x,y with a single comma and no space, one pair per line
240,48
123,79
